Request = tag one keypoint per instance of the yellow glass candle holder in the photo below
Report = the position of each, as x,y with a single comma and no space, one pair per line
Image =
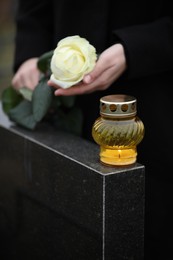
118,130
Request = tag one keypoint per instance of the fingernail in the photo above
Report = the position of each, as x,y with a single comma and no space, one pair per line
87,79
57,93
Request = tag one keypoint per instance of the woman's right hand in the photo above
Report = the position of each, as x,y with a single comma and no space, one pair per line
27,75
109,67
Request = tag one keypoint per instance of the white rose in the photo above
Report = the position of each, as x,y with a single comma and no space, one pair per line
72,59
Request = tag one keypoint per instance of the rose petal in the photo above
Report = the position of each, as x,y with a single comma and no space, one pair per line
63,84
72,59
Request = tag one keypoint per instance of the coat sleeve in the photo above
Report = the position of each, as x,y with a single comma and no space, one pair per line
148,47
33,30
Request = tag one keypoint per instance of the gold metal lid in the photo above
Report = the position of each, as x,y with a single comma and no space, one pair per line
118,105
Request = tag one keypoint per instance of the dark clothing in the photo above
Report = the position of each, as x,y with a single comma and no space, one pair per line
145,28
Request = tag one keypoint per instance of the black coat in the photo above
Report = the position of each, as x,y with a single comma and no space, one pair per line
145,28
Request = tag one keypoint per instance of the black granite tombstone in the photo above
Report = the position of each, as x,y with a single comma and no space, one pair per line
58,202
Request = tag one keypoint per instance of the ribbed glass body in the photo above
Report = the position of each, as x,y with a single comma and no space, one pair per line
118,136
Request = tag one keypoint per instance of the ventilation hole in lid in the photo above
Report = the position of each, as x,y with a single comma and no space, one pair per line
103,107
124,107
113,107
133,106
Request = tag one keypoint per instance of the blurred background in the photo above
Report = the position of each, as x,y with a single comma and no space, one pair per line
7,34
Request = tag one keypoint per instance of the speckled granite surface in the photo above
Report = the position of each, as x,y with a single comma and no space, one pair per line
58,202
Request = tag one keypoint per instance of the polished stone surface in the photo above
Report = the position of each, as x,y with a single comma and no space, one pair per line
58,202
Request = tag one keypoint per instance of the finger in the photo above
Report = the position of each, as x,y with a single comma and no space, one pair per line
26,81
75,90
96,72
89,78
32,81
52,84
17,81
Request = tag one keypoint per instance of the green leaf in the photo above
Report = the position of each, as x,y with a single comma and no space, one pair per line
10,98
22,115
26,93
43,63
41,99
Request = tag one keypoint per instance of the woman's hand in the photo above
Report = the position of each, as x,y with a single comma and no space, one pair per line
27,75
109,67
